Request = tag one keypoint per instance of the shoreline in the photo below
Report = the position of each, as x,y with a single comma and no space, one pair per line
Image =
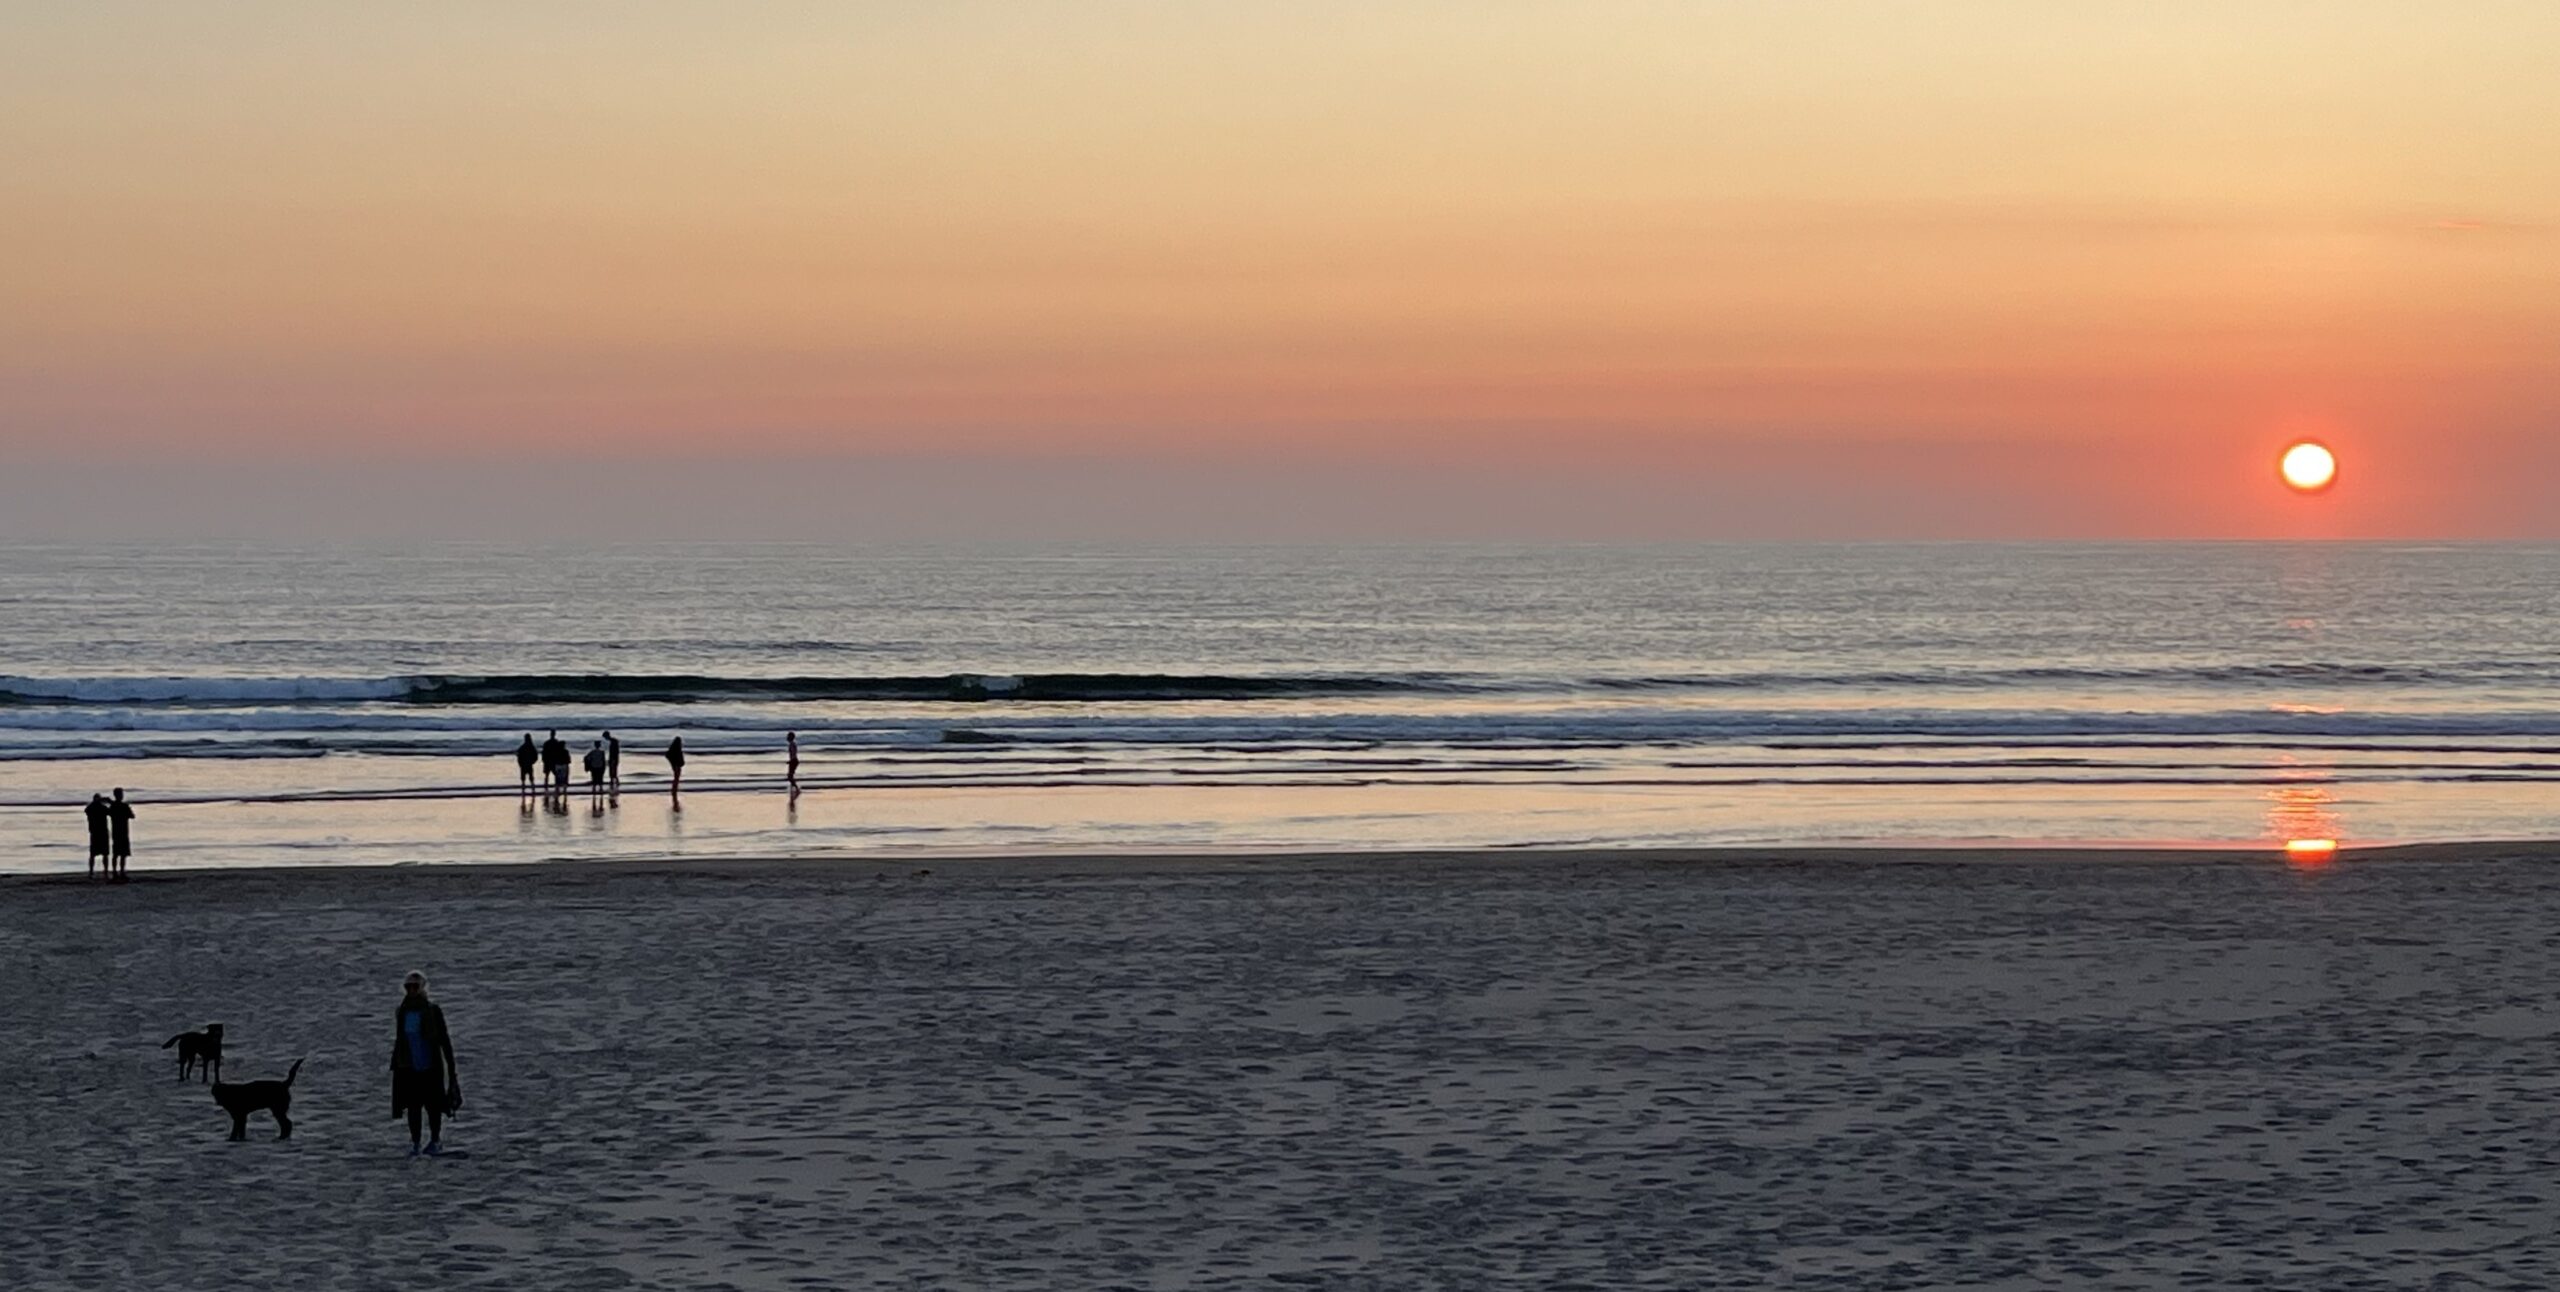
1179,862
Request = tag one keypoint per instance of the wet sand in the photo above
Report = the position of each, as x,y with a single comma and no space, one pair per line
1846,1068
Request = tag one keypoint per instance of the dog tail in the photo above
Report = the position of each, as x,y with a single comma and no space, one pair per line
289,1072
173,1040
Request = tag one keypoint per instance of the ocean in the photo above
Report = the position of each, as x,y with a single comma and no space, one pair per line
267,705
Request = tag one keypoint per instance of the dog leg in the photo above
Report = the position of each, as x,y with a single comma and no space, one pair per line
240,1125
284,1124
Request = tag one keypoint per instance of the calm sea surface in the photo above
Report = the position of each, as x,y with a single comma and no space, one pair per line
294,705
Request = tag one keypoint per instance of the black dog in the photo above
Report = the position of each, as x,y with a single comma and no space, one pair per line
201,1051
250,1096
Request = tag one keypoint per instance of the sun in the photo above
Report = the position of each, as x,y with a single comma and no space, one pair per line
2309,467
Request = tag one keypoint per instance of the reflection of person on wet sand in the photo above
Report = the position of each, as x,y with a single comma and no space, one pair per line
526,757
675,766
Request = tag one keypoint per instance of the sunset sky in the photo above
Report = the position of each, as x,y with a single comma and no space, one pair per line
1264,270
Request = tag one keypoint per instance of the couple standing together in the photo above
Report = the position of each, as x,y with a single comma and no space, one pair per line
110,834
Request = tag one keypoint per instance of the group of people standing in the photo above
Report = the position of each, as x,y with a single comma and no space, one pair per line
111,818
110,834
603,763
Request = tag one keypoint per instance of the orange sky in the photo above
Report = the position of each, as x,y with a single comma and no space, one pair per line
1923,268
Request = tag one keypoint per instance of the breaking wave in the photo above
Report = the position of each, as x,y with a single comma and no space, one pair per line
522,689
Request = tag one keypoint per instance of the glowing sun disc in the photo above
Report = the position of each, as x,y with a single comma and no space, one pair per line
2309,467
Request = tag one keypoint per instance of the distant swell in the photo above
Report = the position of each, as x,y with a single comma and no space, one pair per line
1891,686
200,690
684,688
2270,673
1050,687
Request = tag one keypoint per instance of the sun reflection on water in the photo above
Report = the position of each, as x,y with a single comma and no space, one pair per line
2302,812
2310,852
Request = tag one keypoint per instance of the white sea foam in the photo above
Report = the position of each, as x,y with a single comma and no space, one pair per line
204,690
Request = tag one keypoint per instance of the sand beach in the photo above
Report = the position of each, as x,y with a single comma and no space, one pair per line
1744,1069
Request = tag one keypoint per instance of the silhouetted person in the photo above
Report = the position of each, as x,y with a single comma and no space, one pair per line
675,765
555,763
97,814
595,770
791,769
526,757
120,832
423,1080
613,762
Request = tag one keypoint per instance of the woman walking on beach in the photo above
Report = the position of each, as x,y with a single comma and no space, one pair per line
423,1080
675,766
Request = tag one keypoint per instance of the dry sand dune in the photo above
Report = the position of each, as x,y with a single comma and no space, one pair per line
1553,1072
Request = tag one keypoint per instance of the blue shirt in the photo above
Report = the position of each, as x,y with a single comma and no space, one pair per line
413,1026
